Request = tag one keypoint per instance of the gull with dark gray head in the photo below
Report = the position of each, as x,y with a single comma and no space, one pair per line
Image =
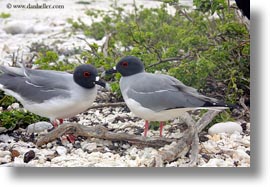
158,97
52,94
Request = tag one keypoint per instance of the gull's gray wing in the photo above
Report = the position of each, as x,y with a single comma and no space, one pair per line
162,92
35,85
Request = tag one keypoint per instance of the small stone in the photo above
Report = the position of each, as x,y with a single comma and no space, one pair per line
5,138
125,146
49,145
215,137
14,153
206,157
77,145
61,150
14,106
227,127
244,126
5,159
18,27
39,127
203,138
29,156
90,147
4,153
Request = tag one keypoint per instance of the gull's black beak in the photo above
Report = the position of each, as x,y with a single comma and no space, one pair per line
102,83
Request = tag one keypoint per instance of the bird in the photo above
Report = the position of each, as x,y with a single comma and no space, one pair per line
244,6
52,94
158,97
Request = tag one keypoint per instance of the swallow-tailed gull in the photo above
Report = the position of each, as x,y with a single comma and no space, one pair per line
158,97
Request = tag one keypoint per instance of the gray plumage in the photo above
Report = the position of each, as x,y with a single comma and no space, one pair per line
32,84
52,94
160,92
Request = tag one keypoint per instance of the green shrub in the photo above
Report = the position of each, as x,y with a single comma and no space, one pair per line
14,118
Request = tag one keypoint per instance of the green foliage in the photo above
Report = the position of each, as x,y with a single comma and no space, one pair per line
12,118
205,48
49,60
83,2
6,100
210,6
5,15
154,125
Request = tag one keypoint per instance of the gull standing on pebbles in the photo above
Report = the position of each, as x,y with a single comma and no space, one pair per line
52,94
158,97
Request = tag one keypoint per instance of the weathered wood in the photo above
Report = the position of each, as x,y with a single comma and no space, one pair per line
101,133
103,105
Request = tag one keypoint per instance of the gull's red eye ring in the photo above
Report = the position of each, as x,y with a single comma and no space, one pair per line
125,64
86,74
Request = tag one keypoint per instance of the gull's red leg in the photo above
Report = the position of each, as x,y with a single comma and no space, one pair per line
146,126
161,125
61,121
71,138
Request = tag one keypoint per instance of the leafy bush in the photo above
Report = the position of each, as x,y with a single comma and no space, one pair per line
14,118
49,61
6,100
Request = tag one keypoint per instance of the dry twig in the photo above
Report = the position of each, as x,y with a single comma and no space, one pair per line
101,133
103,105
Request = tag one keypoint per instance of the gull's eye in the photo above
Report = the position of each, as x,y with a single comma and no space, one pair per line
86,74
125,64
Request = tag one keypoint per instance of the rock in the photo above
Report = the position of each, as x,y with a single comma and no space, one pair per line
13,106
4,153
61,150
5,159
39,127
28,156
90,147
5,138
39,29
2,129
18,27
49,145
227,127
217,162
240,154
14,153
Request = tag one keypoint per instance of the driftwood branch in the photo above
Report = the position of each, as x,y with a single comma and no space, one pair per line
206,119
103,105
101,133
175,150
